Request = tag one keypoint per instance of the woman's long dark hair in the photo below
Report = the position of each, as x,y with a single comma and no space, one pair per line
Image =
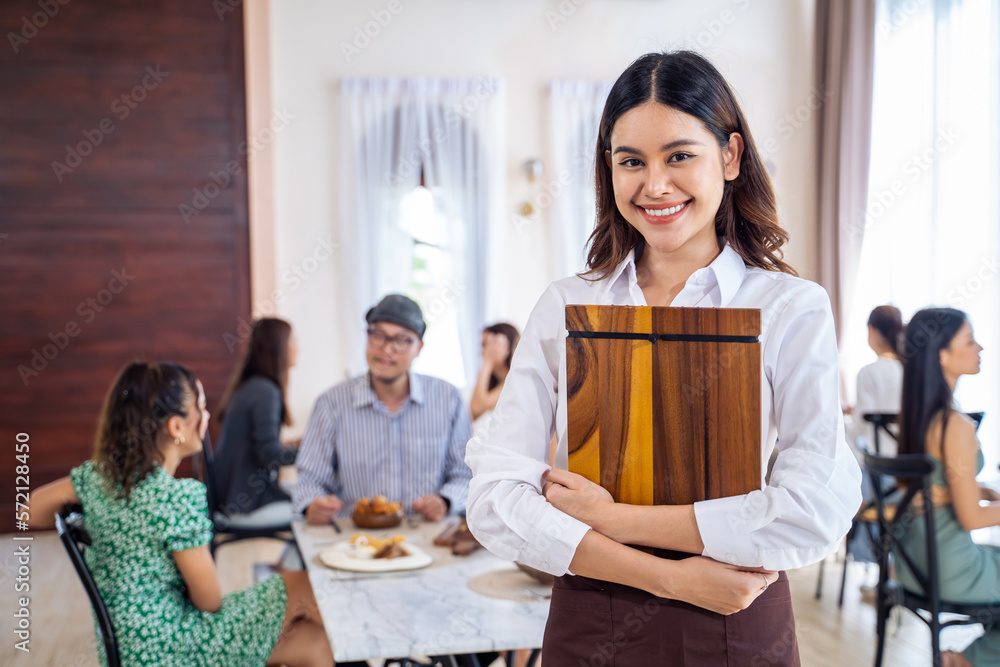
926,392
747,216
888,322
142,399
266,356
508,331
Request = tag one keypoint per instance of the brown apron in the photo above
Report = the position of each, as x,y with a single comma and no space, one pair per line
595,623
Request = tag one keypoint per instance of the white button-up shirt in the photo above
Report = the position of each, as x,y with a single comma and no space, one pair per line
798,516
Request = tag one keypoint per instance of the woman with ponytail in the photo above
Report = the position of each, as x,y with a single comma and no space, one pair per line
150,531
685,217
880,384
938,349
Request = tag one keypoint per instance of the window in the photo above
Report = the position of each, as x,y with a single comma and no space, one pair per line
931,227
430,284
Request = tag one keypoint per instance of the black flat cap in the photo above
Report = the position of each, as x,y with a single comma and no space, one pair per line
401,310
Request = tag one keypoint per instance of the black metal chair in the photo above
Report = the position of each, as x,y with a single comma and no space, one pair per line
865,518
883,420
222,526
76,540
926,605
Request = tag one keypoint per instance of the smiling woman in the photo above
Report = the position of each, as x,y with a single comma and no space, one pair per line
686,217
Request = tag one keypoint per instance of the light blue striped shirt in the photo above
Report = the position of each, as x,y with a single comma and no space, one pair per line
354,447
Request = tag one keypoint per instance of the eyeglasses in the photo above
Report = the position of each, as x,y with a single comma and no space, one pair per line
399,343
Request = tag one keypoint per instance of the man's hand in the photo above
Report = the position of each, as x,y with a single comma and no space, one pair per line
431,507
322,509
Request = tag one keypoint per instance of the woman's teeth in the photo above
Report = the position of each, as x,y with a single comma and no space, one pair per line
664,211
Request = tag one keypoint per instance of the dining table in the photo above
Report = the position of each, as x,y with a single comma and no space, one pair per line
456,604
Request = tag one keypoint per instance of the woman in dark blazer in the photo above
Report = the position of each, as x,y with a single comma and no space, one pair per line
252,412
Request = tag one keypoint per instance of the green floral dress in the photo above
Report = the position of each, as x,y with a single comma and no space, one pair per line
132,565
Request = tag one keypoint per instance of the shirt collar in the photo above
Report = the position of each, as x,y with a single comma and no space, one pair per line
624,272
727,271
365,395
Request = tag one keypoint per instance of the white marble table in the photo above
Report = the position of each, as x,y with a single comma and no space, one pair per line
431,611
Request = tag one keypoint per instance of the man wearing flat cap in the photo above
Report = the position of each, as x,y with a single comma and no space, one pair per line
388,432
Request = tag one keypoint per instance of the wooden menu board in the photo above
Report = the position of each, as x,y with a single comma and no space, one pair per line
664,403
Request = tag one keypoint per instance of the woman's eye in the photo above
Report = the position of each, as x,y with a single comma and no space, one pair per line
630,162
680,157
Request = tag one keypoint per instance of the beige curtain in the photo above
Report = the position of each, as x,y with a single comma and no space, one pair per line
845,60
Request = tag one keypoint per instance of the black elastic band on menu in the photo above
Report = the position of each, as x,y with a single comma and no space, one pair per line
614,335
709,338
652,338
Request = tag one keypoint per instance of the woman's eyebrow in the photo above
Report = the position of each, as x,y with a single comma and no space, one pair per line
664,147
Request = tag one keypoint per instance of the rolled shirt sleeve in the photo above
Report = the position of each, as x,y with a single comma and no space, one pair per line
507,512
815,485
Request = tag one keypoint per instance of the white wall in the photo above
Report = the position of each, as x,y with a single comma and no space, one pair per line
763,47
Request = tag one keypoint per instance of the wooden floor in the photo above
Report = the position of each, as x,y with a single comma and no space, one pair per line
62,629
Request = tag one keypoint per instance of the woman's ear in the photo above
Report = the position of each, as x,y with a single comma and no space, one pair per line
175,428
732,155
607,158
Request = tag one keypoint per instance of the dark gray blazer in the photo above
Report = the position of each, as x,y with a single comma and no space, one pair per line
249,453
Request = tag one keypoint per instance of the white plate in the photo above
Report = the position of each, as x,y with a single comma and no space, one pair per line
340,557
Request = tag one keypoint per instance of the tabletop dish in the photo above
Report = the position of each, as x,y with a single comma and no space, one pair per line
343,556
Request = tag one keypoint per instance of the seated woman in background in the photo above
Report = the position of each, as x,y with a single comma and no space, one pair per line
150,557
939,348
252,411
880,384
499,342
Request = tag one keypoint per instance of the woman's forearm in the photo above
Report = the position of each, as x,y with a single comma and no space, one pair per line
661,526
602,558
479,402
981,516
700,581
45,501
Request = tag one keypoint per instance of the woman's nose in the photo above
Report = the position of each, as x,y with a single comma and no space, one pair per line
657,181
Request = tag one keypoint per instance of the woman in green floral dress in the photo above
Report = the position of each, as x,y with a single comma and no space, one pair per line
150,532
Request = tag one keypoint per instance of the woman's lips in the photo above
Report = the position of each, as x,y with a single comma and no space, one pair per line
654,219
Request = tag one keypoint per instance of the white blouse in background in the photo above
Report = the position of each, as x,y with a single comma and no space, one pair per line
880,390
815,486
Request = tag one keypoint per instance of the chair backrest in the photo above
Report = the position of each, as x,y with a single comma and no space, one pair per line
917,468
73,535
882,420
207,474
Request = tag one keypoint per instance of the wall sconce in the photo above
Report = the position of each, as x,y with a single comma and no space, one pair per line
533,169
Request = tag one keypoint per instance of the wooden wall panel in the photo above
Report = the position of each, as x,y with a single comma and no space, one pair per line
64,235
